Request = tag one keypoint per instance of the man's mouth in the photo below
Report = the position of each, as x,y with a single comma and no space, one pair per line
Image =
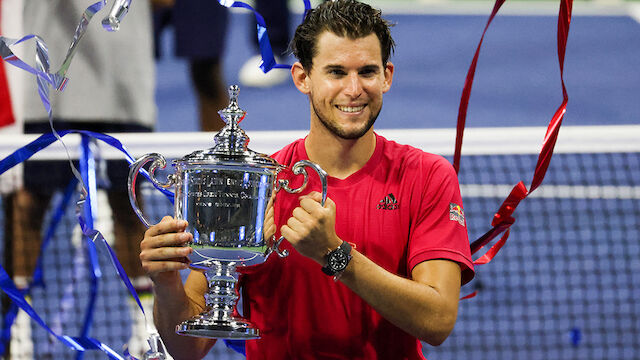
350,109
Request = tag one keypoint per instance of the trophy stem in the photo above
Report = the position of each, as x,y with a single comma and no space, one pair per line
222,295
220,320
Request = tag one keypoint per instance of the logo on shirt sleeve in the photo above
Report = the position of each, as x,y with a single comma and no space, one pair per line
456,213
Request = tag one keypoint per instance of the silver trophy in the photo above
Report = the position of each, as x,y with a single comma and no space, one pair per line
223,193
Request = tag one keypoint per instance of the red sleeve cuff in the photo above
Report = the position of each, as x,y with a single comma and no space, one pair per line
466,266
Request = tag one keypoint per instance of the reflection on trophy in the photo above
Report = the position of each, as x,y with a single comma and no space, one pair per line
223,193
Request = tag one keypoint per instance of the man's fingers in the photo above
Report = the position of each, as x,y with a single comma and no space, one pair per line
271,199
314,195
311,202
166,240
302,215
167,225
288,234
271,230
294,224
165,253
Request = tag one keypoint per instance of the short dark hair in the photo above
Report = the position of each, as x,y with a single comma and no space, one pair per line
347,18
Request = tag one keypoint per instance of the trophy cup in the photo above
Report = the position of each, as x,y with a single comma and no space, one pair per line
223,193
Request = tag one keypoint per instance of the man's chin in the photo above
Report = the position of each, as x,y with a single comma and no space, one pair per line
353,134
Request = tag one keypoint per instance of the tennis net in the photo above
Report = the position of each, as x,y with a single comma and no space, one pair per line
564,287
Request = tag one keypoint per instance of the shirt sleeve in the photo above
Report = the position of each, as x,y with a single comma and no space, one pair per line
439,229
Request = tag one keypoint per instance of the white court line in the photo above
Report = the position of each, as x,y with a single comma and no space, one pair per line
554,191
634,12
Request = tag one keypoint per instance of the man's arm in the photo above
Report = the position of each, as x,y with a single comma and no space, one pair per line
425,306
163,255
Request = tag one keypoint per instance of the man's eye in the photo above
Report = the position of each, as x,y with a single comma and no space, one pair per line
367,72
336,72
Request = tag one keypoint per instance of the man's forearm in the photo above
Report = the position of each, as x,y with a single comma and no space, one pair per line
424,311
171,307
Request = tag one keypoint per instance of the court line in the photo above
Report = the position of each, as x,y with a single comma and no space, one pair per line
634,12
554,191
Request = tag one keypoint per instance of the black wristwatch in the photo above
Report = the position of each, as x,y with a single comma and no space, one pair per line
337,260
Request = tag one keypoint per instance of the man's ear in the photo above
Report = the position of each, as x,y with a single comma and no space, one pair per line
300,78
388,76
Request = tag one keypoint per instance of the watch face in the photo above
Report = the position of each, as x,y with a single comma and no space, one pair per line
338,261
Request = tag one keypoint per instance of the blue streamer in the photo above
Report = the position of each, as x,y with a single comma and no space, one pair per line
266,52
92,236
120,270
236,345
86,211
37,280
24,153
79,344
307,7
9,319
45,79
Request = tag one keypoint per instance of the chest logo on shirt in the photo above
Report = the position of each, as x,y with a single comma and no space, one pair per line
456,213
388,203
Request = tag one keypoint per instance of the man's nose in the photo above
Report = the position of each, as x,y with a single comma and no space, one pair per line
353,86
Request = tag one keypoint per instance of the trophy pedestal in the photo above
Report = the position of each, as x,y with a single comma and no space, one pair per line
228,328
220,320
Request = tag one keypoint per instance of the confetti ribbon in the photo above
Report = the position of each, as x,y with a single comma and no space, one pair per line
79,344
85,219
58,80
503,218
266,52
37,279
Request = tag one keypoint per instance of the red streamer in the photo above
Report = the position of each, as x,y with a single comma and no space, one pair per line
466,91
6,111
503,219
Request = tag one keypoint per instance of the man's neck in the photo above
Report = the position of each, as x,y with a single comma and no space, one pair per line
340,158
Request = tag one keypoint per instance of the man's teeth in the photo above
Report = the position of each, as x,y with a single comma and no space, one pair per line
350,109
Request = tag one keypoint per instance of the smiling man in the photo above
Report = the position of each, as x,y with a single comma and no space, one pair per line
374,271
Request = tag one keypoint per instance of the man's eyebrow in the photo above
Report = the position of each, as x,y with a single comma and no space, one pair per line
333,67
371,67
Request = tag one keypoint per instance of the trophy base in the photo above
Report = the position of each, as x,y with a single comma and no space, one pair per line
232,328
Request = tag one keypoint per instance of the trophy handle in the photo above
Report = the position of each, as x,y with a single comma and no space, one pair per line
299,168
158,161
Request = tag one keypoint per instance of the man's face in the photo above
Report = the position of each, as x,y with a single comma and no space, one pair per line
346,84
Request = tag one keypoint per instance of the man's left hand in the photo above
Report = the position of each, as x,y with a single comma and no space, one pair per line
311,228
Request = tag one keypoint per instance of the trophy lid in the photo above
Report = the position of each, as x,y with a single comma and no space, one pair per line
231,142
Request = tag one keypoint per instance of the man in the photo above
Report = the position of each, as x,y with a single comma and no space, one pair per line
398,207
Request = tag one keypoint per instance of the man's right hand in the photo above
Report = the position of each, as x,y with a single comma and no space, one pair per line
163,254
162,251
